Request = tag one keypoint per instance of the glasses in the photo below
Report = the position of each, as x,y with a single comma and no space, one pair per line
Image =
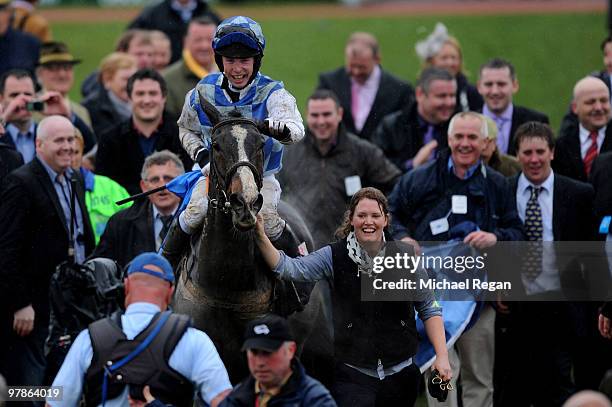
156,179
444,385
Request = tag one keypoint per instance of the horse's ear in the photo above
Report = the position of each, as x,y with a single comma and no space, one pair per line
213,114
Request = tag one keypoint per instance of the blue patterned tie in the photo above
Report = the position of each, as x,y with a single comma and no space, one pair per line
532,263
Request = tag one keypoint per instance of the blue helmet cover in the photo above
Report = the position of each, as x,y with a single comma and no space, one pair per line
239,29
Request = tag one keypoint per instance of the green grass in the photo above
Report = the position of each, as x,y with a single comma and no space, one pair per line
550,52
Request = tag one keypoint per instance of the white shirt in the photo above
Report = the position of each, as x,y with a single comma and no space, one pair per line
585,140
548,280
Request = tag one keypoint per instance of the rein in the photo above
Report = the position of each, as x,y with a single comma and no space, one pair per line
222,182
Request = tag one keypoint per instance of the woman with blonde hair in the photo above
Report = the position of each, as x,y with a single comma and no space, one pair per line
440,50
111,104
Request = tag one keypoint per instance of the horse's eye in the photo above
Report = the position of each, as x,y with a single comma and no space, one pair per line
216,146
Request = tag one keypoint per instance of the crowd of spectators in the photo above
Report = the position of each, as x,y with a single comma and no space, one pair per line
431,148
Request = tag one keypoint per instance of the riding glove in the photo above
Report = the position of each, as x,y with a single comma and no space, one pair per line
278,130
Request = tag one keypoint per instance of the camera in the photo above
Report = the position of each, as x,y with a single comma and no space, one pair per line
35,106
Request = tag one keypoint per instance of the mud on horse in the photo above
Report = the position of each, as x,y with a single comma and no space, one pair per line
222,280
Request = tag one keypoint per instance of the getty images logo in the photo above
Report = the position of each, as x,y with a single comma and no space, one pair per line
261,329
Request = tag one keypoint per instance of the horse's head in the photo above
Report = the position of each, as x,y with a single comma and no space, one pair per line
236,166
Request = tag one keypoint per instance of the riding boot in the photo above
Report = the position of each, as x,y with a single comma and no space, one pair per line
175,244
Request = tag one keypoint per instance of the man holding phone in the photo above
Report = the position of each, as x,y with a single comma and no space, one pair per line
17,96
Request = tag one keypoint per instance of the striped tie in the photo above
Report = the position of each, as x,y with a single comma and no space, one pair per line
532,263
591,153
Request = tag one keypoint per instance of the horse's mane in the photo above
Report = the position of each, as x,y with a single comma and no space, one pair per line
234,114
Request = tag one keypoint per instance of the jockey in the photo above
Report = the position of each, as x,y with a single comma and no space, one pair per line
239,45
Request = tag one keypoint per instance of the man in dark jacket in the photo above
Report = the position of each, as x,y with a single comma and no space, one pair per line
416,134
277,377
143,226
367,93
321,174
580,143
123,149
497,84
172,18
9,158
458,197
35,230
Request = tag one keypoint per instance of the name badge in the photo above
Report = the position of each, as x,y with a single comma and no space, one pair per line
352,184
439,226
459,204
604,227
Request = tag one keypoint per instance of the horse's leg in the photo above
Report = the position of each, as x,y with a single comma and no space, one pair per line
223,328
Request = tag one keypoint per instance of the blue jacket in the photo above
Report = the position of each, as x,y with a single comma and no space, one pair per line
424,195
300,390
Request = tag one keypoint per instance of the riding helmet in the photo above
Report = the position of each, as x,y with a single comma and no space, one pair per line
239,37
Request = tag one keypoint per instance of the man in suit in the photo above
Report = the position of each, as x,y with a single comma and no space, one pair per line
35,225
143,226
579,144
416,134
497,83
123,148
570,118
197,61
553,208
367,93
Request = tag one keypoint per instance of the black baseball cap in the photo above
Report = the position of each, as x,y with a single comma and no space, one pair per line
267,333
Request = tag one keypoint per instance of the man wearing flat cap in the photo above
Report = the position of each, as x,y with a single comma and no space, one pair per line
18,49
55,73
277,377
109,362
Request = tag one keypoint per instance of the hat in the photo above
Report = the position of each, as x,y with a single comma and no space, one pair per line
267,333
143,262
491,128
55,52
430,46
4,3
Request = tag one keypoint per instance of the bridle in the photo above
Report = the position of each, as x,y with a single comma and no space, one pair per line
222,182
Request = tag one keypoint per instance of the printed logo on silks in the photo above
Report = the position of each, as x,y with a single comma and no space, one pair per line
261,329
